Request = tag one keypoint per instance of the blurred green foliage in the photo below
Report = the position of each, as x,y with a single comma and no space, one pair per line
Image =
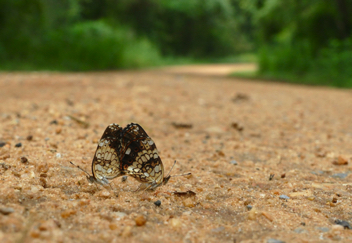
307,41
111,34
53,35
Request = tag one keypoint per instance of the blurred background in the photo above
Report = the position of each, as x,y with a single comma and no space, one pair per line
306,41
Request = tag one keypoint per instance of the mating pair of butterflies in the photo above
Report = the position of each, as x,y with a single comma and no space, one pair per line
128,151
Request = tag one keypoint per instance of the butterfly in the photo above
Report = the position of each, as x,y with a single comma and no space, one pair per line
129,151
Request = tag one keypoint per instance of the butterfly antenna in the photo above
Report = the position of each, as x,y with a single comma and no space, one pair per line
171,169
186,174
80,168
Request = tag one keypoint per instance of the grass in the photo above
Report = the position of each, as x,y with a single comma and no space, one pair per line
310,79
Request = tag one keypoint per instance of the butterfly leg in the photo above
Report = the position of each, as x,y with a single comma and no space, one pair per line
139,187
96,186
116,194
147,186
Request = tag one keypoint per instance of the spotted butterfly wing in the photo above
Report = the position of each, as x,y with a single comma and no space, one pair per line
106,162
140,158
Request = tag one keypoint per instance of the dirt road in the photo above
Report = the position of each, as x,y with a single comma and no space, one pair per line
270,162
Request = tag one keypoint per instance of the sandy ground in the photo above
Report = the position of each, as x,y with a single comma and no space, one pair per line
270,162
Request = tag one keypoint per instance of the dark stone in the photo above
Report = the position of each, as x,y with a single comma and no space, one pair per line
54,122
17,145
249,207
344,223
239,97
157,203
2,144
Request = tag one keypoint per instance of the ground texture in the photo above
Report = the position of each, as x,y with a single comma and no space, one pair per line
270,162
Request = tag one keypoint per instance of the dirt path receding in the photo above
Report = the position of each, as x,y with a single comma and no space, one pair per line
221,70
269,161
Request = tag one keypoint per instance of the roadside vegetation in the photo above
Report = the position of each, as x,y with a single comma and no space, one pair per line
306,41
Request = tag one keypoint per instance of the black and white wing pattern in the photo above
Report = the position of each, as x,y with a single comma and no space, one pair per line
128,151
106,163
140,158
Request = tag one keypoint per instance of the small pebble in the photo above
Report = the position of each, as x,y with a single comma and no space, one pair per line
140,220
340,161
188,202
237,126
34,233
299,230
234,162
210,196
2,144
318,172
323,229
119,215
47,225
58,155
337,227
6,211
5,166
127,231
17,145
104,194
249,207
343,223
157,203
124,178
284,197
218,229
247,202
340,175
113,226
36,189
67,213
54,122
24,160
253,214
175,223
240,97
58,130
46,139
29,138
274,241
